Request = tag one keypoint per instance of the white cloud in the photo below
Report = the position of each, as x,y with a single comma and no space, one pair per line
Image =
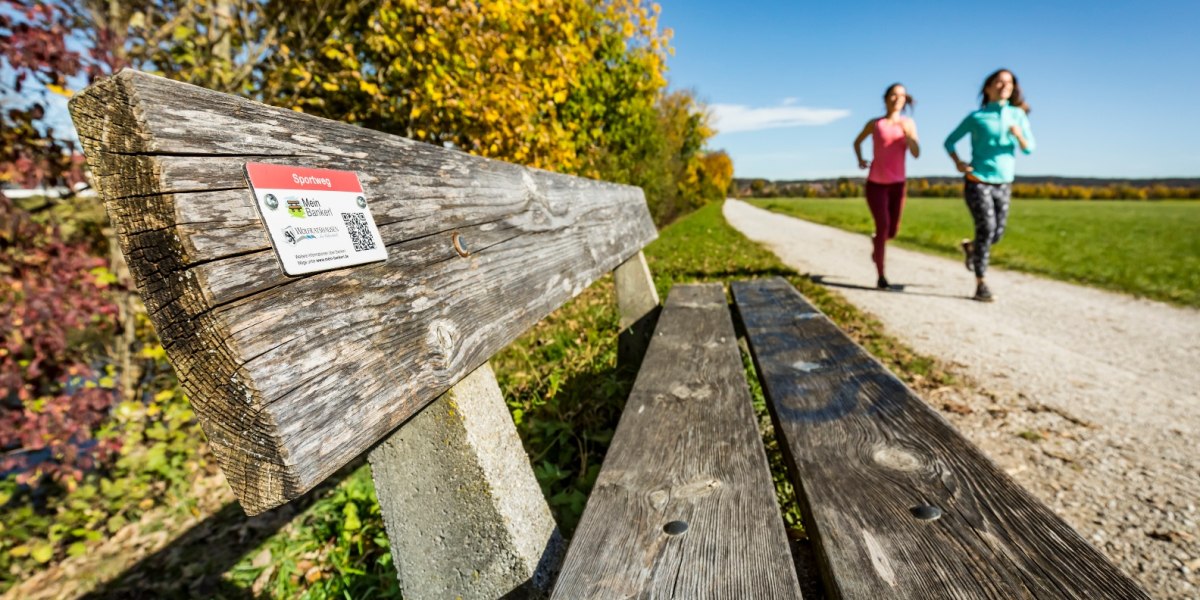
729,118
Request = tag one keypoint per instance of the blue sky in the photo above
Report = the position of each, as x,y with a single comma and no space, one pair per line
1114,86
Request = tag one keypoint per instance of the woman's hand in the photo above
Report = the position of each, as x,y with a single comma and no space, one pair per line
1016,133
910,137
863,163
963,167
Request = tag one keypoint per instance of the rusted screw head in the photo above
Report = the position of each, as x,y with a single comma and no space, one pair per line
459,245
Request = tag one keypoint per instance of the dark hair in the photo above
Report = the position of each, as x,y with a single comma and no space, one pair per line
909,102
1017,99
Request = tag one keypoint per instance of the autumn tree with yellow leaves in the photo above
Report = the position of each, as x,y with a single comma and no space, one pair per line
574,86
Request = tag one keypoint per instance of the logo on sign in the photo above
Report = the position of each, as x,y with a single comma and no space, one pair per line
295,209
307,207
294,235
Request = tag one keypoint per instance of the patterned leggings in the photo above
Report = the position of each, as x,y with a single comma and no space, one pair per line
988,203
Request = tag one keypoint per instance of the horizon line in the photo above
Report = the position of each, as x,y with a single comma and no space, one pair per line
959,176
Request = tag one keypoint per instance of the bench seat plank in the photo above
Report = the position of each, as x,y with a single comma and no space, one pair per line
292,377
865,454
687,449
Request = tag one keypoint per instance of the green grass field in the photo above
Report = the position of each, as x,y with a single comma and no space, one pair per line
1149,249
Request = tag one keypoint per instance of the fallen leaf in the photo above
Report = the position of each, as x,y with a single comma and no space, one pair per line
262,559
313,575
957,408
260,582
1172,535
43,553
1063,456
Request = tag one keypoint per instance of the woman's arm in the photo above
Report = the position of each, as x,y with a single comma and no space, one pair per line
910,138
963,129
863,135
962,166
1022,133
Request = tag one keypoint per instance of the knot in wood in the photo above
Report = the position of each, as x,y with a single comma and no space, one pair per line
691,391
699,488
805,366
440,341
896,458
536,199
658,499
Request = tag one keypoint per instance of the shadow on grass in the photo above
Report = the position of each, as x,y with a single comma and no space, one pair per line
573,432
197,563
193,564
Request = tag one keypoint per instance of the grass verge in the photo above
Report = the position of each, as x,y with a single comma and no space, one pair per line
1149,249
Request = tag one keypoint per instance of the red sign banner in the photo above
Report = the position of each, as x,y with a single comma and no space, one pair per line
283,177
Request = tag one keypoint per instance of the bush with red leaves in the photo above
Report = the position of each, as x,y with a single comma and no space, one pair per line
54,319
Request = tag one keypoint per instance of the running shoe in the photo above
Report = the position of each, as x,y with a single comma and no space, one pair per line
883,283
968,249
983,294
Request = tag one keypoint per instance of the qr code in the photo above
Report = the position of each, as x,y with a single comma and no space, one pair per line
360,233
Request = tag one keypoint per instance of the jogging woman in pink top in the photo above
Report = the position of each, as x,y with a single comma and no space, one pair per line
893,134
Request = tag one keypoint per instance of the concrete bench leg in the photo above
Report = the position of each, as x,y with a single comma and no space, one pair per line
637,303
464,513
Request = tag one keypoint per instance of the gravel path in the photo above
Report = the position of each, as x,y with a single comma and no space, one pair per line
1088,398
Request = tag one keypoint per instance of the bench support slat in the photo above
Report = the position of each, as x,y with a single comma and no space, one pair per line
868,458
637,301
687,451
463,510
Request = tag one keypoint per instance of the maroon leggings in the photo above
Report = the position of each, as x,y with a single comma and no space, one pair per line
886,201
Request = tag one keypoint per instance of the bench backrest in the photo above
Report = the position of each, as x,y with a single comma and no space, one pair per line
292,377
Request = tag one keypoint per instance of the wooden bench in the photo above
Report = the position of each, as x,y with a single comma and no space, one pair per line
293,377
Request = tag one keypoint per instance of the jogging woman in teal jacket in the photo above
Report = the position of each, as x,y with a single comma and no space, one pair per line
997,129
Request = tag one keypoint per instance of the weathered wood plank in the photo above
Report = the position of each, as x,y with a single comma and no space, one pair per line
866,455
292,377
687,450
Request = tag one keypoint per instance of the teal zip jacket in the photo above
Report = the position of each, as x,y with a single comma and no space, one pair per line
993,147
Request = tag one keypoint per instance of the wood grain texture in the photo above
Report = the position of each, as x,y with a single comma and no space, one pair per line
293,377
864,452
687,449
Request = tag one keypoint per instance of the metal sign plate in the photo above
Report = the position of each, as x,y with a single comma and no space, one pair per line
318,219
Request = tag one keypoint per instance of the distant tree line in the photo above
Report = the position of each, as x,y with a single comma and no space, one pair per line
845,187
